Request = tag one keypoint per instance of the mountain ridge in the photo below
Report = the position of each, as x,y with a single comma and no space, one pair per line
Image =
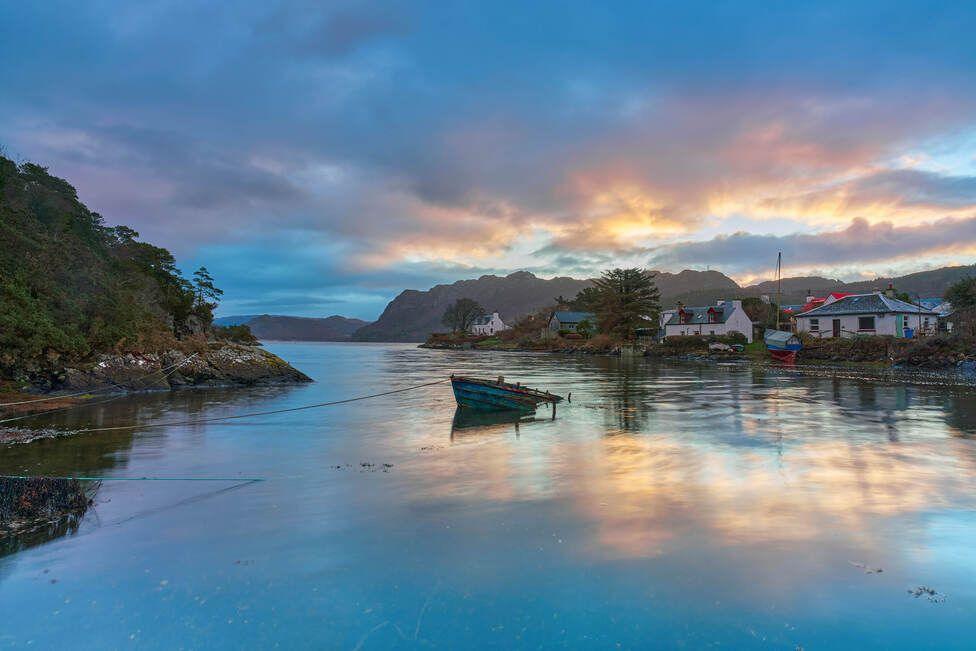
296,328
414,314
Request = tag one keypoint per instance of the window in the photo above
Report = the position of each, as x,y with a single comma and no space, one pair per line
814,325
711,332
865,323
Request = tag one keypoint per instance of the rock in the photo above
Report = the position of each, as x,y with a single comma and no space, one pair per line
966,369
224,364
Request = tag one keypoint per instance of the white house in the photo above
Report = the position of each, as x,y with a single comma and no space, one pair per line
720,319
488,324
867,314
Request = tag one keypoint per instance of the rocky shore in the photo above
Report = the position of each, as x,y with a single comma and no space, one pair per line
945,361
217,364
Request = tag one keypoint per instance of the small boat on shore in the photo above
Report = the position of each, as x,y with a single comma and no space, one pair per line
782,345
498,395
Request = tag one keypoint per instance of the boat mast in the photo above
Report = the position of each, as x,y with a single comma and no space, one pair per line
779,285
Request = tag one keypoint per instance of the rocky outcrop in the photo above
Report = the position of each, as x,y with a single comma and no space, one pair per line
219,365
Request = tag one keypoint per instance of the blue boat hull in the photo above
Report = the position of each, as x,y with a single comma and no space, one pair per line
485,397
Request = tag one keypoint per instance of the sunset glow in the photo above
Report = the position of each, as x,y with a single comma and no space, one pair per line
417,147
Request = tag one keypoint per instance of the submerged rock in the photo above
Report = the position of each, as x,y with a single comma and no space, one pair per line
30,502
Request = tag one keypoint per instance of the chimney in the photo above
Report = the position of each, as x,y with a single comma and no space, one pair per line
890,292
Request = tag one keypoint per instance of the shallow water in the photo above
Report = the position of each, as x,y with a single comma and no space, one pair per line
668,505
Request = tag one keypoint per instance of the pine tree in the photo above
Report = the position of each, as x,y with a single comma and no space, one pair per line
628,299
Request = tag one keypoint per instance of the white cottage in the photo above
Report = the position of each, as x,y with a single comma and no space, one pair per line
720,319
867,314
488,324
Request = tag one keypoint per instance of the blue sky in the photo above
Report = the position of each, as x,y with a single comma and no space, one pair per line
321,157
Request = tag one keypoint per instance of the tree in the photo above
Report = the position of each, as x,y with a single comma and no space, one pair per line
962,294
460,315
206,296
764,314
203,285
584,328
627,300
587,300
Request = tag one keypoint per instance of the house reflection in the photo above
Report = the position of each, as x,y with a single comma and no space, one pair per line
651,462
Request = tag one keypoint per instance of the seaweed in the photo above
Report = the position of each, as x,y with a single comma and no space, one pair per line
28,503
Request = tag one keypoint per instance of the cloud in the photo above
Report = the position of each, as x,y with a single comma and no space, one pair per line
861,241
309,28
454,138
890,190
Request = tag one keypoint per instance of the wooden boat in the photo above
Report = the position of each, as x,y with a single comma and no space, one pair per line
498,395
782,345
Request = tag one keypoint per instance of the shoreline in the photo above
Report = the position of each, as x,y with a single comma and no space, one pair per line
864,371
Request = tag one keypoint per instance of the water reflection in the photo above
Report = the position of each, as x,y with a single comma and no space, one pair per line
468,422
737,458
691,504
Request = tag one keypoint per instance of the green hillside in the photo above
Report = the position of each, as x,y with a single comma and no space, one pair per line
71,286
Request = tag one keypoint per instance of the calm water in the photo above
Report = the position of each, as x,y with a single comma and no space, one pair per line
668,505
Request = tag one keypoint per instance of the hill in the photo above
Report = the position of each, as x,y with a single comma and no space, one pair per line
235,320
414,314
923,284
71,286
85,305
295,328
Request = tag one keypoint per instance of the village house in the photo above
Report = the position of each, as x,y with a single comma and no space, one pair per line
942,308
867,314
562,321
722,318
488,324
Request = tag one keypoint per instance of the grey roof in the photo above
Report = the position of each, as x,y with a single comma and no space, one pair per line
938,305
484,319
779,337
700,315
867,304
574,317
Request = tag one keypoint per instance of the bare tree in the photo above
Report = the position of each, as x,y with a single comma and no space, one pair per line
460,315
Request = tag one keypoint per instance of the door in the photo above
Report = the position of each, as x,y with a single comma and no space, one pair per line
836,327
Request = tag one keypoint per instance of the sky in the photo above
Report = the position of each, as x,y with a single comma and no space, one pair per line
319,157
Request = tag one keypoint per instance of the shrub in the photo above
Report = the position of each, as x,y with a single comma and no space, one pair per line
239,334
600,342
733,338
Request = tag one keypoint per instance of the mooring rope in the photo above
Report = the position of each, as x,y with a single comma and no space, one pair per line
83,478
172,368
94,391
252,414
67,408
